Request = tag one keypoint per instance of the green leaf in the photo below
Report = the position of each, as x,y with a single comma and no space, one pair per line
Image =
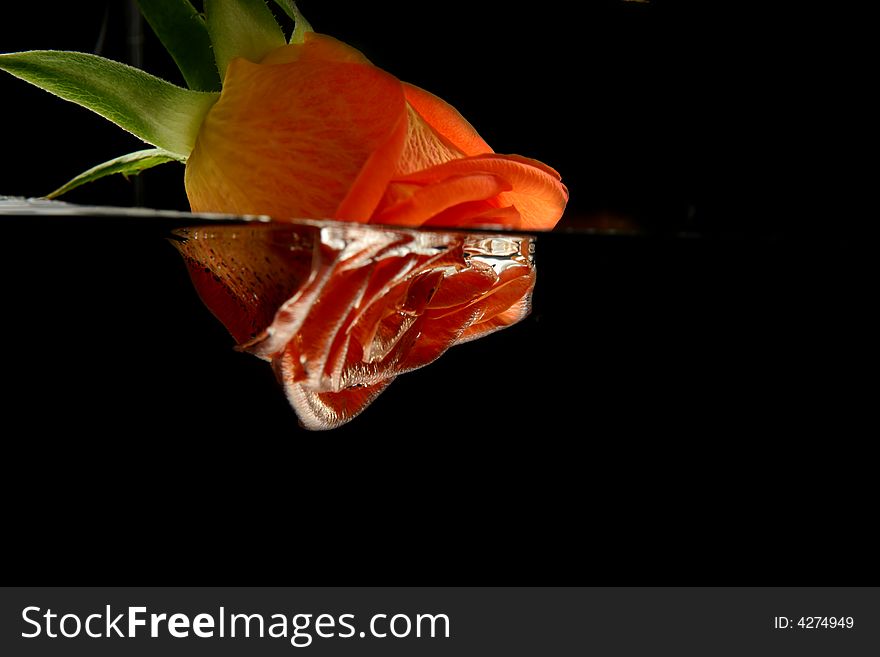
130,164
300,24
300,27
288,6
157,111
183,32
241,28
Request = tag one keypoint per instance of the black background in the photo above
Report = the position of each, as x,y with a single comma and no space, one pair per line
687,406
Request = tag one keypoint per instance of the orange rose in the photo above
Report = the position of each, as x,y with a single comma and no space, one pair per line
316,131
306,132
341,310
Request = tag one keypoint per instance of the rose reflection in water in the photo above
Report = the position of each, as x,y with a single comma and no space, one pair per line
341,309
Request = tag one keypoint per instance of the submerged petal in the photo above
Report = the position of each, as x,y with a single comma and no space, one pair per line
245,275
322,410
355,306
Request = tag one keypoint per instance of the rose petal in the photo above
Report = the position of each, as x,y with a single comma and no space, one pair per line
325,409
244,274
517,312
293,313
368,188
507,303
535,191
436,335
446,121
291,140
534,163
432,199
347,343
477,213
462,287
423,147
326,318
316,48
